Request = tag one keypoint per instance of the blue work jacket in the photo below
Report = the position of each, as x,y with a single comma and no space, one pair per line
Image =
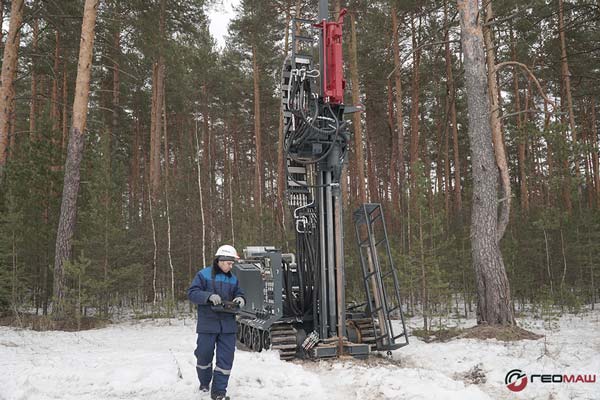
208,281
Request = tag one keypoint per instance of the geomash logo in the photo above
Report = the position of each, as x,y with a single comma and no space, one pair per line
516,380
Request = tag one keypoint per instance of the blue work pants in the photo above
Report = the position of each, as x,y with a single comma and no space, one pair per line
205,348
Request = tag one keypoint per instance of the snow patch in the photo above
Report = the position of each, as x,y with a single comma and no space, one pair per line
153,360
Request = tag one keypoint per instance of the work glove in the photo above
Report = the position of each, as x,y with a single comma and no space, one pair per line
215,299
239,301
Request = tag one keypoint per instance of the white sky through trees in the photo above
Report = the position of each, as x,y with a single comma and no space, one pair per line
220,14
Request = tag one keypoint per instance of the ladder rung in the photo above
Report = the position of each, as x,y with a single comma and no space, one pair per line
375,311
364,243
399,336
297,170
303,59
387,274
375,219
297,183
391,310
377,338
370,274
379,242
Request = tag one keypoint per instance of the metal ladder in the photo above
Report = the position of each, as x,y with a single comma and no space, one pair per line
379,277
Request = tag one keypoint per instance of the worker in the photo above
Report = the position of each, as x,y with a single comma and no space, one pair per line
211,287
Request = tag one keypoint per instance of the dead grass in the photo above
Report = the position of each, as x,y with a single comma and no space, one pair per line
437,335
46,323
498,332
482,332
474,376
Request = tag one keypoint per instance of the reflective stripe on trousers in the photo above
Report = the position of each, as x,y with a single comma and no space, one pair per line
223,371
205,353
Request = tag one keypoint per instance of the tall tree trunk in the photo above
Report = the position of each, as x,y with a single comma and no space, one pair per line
155,159
54,114
166,142
566,79
495,124
522,141
134,173
424,293
549,155
453,120
65,123
200,194
398,161
370,145
390,169
154,146
358,142
116,92
9,68
566,95
446,151
33,103
493,291
155,248
229,179
450,87
414,113
68,210
441,148
566,166
111,133
207,164
258,174
594,140
12,122
587,144
157,101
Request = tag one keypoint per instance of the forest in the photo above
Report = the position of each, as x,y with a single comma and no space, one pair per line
181,147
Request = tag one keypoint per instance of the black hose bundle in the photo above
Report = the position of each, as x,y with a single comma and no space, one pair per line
303,128
301,303
305,120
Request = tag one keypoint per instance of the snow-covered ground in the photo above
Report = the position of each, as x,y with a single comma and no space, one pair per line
154,360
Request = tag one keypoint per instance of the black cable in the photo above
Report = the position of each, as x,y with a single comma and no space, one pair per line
306,128
289,291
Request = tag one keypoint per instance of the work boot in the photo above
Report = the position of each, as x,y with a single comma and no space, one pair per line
204,388
219,396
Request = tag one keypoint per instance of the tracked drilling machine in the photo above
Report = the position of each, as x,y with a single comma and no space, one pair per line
296,301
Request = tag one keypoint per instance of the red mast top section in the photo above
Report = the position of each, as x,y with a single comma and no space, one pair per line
333,62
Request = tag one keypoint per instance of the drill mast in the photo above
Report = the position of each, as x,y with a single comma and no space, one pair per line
301,307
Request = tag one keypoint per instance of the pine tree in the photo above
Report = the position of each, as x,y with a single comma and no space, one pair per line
9,66
66,225
493,291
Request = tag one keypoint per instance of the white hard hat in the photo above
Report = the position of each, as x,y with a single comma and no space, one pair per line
227,251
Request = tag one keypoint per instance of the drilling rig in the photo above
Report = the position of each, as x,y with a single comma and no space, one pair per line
295,302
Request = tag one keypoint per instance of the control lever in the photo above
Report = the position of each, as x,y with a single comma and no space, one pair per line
229,307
